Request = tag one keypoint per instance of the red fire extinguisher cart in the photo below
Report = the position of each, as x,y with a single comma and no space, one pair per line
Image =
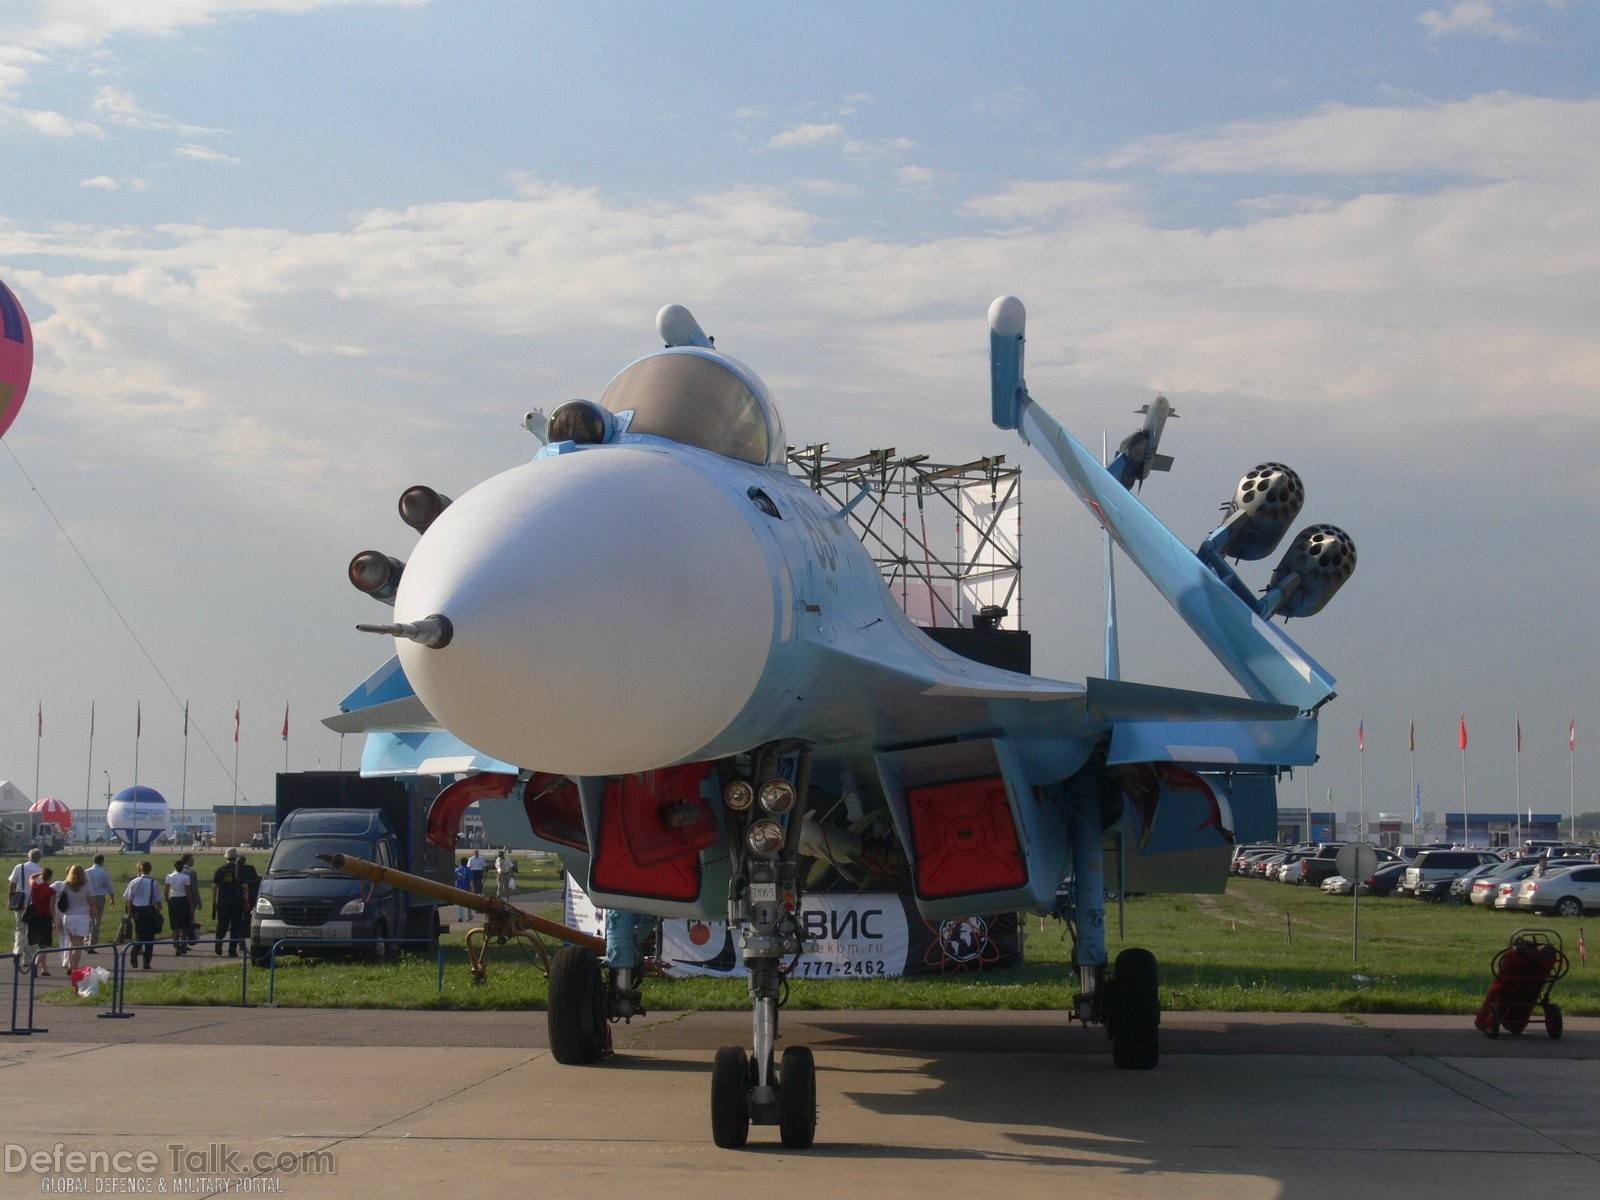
1524,973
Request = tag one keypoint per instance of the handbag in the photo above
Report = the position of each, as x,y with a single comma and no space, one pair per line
15,901
125,929
61,900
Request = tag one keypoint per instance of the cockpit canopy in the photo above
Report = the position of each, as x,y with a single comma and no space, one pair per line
700,398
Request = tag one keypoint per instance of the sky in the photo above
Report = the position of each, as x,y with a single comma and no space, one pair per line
284,258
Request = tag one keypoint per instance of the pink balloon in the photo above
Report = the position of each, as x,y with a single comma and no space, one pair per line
16,357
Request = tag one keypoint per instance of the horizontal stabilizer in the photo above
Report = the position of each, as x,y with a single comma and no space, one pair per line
1161,462
1113,700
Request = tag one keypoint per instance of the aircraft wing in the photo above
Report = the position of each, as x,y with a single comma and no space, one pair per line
386,701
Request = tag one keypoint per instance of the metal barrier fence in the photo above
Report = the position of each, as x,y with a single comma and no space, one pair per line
119,972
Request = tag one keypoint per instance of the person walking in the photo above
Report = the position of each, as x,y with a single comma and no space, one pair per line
180,906
193,932
17,895
74,906
227,905
479,866
142,901
41,919
464,882
505,873
101,889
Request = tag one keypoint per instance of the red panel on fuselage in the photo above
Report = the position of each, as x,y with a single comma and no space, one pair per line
965,839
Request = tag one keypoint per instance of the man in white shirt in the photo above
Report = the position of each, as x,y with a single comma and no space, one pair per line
479,866
101,889
20,880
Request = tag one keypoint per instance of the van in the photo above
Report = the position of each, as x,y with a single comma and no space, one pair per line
1428,871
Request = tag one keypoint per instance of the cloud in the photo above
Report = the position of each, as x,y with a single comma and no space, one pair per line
1033,200
1498,135
49,124
1482,19
805,135
204,154
103,183
119,107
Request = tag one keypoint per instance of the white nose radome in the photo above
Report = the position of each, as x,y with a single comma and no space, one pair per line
611,612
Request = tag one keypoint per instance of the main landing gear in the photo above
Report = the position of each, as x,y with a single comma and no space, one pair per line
586,994
765,812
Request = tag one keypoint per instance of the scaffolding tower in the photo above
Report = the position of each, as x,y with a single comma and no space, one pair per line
947,538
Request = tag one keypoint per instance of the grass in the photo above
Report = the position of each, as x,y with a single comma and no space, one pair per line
1260,947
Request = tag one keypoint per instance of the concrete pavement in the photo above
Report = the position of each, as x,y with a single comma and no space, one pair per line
912,1104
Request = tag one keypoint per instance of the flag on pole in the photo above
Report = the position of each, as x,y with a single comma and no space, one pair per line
138,720
1572,733
91,718
185,718
1416,811
286,722
1411,737
235,724
41,718
1461,740
1519,735
1361,735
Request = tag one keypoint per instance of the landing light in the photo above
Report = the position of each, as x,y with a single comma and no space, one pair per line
777,796
765,838
739,795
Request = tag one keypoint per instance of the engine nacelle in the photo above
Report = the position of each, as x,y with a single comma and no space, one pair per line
1315,566
376,574
1263,507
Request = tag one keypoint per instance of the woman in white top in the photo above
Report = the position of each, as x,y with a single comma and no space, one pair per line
74,912
180,909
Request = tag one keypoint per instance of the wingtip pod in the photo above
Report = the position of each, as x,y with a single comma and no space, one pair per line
1008,320
16,357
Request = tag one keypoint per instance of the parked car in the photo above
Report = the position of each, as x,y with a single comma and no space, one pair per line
1319,863
1429,876
1382,881
1291,869
1486,884
1566,893
1337,885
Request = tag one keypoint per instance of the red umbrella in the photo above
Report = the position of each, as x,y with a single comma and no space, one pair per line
55,810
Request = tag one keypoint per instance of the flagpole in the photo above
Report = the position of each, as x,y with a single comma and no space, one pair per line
1361,776
88,781
138,729
1411,743
234,832
1572,777
1466,840
183,801
38,741
1519,781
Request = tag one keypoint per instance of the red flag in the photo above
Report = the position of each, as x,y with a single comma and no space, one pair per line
286,722
1572,733
1361,735
1519,735
41,718
1461,741
235,724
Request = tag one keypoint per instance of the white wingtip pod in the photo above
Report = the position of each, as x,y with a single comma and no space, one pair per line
1007,316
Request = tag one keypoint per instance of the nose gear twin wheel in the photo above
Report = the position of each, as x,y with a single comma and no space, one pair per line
733,1077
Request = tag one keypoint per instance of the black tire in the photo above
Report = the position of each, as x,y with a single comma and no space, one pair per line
378,950
260,956
797,1098
1552,1020
576,1015
1569,906
1135,1017
730,1098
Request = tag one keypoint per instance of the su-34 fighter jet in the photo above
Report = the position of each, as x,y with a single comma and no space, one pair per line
669,659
